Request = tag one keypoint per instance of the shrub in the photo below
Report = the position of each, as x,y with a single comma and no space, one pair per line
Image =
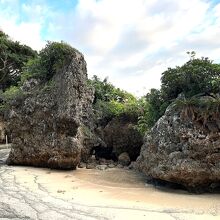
11,93
50,60
112,102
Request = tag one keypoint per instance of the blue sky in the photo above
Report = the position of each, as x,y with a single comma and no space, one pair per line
130,41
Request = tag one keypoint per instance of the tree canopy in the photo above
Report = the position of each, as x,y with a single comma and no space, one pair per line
49,60
194,77
13,57
197,76
111,101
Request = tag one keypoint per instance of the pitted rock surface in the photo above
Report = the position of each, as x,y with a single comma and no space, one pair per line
183,151
45,123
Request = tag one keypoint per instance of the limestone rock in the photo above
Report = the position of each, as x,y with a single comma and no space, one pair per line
182,150
120,166
90,166
2,130
82,165
121,135
4,155
111,165
45,122
101,167
124,159
133,165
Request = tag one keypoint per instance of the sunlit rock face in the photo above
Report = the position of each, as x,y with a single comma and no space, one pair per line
183,149
45,122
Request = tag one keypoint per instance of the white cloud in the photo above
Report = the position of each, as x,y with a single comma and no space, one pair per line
130,41
28,31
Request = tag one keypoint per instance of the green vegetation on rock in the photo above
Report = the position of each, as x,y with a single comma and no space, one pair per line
197,76
51,59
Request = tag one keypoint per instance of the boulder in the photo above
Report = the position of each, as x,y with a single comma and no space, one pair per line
124,159
183,149
111,165
101,167
121,135
45,122
82,165
90,166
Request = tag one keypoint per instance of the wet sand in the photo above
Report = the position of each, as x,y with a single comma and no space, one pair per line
119,188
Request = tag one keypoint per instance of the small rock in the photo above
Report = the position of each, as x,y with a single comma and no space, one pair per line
115,163
92,160
82,165
133,165
90,166
120,166
109,162
111,165
102,161
101,167
124,159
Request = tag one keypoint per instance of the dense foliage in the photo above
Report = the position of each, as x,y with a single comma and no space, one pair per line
13,57
111,102
197,76
194,77
50,59
19,62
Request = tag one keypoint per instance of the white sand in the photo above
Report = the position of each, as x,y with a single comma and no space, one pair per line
123,191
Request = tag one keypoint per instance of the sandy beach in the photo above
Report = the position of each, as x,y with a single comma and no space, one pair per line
37,193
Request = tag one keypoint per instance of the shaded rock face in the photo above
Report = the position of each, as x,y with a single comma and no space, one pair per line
90,141
45,123
121,135
2,130
103,153
182,151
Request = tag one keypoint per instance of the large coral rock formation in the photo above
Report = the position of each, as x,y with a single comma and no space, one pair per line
183,150
45,123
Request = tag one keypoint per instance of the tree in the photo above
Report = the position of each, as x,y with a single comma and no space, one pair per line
13,56
111,101
155,106
197,76
105,91
194,77
50,59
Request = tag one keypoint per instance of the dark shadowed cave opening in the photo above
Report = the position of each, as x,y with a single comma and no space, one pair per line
103,153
